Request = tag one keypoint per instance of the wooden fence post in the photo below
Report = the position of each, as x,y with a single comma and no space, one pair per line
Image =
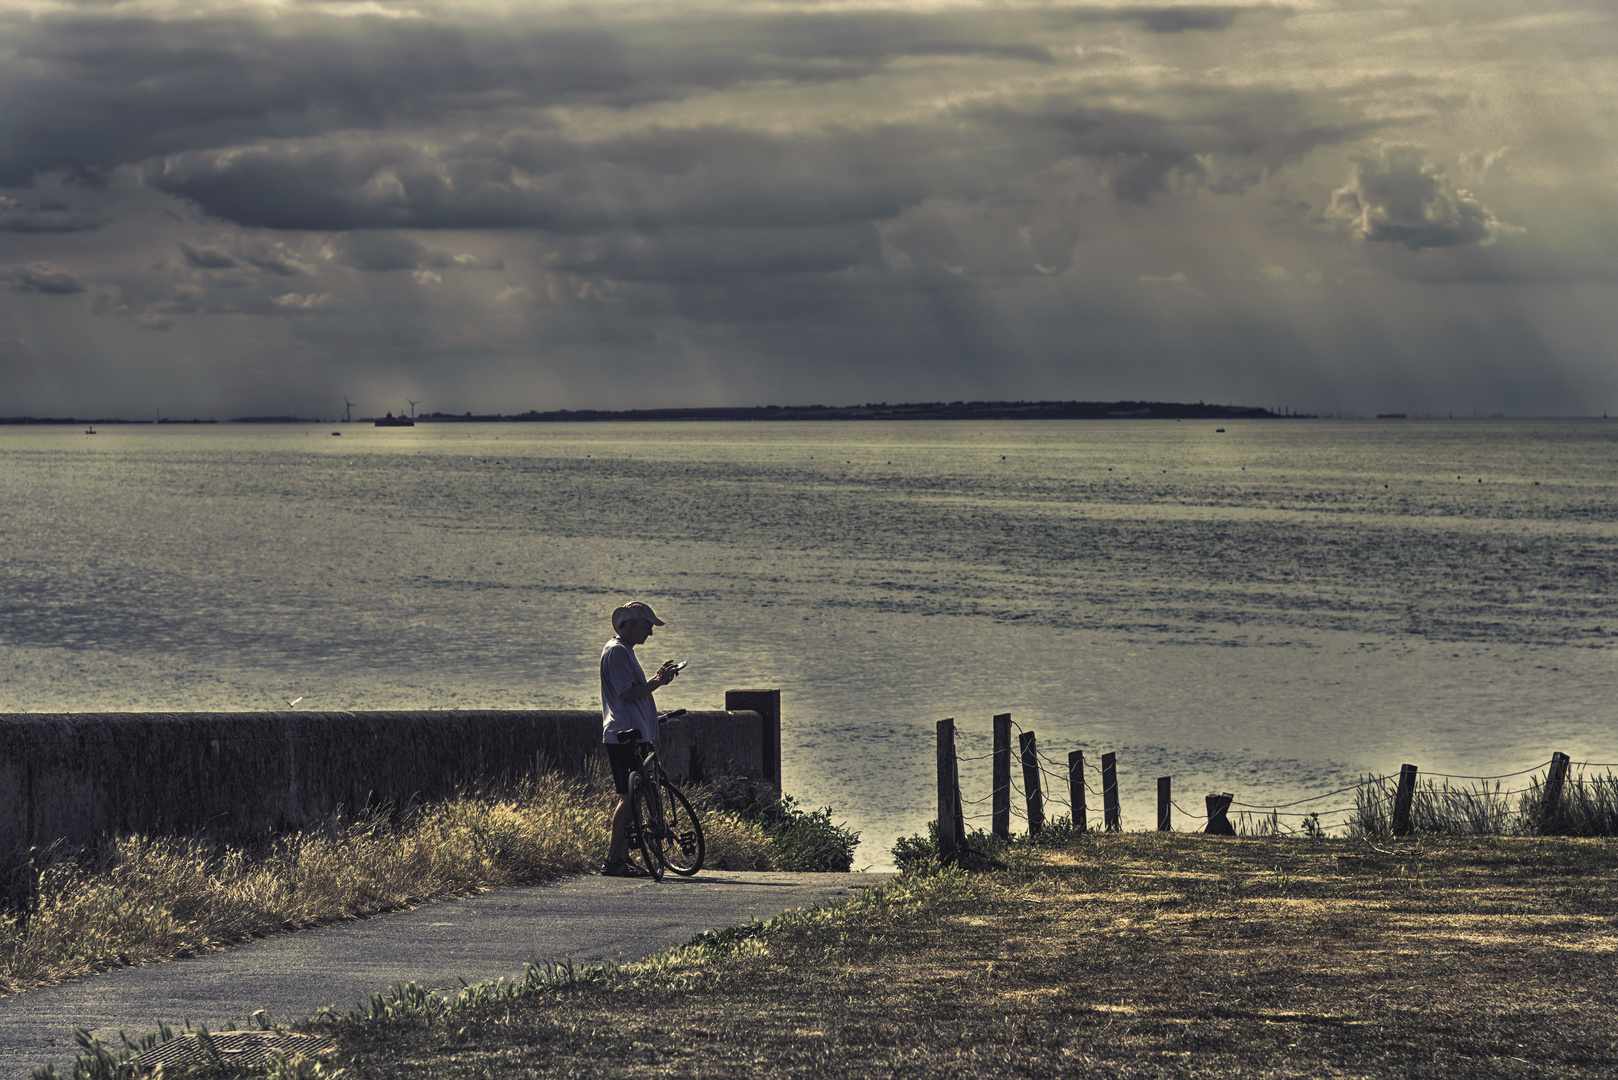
1164,801
1219,815
1109,793
1002,776
1403,799
946,793
1075,790
1030,783
1550,814
960,818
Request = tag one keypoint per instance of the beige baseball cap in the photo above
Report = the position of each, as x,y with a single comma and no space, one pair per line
634,609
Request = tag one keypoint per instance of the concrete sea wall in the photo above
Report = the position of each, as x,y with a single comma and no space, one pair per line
84,777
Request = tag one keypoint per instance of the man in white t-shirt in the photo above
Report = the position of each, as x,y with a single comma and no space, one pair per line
626,707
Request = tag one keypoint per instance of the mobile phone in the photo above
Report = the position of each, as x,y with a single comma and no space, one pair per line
681,665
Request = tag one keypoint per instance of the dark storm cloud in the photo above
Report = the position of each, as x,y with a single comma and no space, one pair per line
377,252
45,216
243,256
371,126
206,258
87,93
40,277
153,301
268,255
1224,137
382,251
722,177
1398,196
99,92
711,176
718,255
1177,20
440,259
1001,238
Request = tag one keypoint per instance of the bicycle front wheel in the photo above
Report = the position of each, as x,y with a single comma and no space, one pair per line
682,846
644,824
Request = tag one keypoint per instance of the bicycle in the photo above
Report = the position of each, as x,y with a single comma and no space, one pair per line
664,832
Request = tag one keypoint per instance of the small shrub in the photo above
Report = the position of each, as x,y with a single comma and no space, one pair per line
976,850
1057,832
804,841
808,840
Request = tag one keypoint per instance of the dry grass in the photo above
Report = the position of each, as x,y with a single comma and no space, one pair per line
1588,807
151,899
1145,955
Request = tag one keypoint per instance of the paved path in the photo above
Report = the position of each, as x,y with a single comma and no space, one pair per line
587,920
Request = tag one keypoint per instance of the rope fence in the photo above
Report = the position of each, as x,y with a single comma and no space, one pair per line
1388,803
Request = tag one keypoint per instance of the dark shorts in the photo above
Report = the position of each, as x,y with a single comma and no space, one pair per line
624,758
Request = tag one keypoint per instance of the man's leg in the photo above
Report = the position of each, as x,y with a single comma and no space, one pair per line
623,758
618,850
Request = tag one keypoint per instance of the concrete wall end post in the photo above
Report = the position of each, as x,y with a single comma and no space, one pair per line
767,703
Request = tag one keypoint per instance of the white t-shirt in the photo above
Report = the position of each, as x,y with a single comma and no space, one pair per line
620,671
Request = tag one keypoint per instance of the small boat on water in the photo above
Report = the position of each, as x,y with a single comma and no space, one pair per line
394,421
91,430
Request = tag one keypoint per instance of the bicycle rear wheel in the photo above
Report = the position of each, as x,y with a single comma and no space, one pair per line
643,825
682,845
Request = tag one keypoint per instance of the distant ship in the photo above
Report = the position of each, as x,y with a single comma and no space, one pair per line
1390,416
394,421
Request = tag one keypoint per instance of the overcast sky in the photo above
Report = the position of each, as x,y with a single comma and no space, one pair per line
242,207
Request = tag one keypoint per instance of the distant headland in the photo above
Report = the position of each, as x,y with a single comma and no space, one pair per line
165,421
925,410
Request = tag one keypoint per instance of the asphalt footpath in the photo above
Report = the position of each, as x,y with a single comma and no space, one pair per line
588,920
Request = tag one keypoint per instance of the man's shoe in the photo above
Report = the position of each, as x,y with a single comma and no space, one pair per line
623,868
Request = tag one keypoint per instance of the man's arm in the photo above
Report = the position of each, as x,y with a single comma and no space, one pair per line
660,679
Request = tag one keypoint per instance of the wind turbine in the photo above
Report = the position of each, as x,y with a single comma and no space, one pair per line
347,405
413,405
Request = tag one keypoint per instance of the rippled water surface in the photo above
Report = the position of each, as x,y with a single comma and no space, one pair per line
1273,610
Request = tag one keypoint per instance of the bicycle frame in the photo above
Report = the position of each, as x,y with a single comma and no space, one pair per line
646,815
664,829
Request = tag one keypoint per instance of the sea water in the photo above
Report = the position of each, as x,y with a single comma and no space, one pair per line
1274,609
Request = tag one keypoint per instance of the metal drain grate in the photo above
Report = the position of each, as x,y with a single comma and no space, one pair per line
236,1047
